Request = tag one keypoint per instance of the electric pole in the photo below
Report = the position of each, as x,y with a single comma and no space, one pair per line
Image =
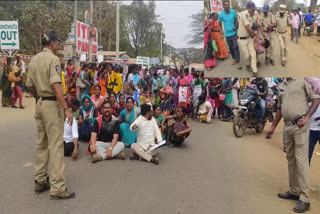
117,31
75,36
161,44
90,36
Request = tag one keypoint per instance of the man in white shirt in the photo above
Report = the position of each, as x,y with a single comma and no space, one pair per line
70,139
147,132
314,136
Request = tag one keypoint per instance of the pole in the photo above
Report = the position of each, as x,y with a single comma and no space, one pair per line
170,53
91,22
117,30
74,55
161,44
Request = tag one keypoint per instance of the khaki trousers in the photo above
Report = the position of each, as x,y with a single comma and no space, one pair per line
283,39
145,154
270,50
247,48
297,145
49,146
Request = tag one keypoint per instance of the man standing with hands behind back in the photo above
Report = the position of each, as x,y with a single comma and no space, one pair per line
294,96
44,82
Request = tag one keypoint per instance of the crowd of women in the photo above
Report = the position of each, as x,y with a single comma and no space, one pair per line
174,94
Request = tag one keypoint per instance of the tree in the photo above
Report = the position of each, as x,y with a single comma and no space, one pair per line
313,5
196,38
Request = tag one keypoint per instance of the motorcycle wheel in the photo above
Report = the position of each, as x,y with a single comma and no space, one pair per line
260,127
239,125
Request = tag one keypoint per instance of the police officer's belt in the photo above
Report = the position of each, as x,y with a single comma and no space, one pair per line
49,98
293,122
243,38
283,32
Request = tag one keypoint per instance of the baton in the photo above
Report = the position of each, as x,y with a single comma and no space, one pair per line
290,127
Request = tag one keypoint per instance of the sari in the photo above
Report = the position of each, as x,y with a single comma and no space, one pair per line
209,60
86,128
128,137
6,87
84,76
216,36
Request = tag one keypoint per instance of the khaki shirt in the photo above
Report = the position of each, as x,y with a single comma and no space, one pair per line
44,70
245,19
265,21
294,96
282,23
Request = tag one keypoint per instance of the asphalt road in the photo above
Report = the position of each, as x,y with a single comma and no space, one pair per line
213,172
303,61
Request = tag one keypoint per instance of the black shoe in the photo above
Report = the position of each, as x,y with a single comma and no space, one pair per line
288,196
301,207
21,107
14,107
39,188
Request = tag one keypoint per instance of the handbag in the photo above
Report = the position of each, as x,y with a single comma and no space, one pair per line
214,46
13,78
222,97
127,89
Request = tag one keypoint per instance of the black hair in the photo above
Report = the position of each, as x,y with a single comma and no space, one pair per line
122,95
186,70
117,68
183,109
97,86
69,61
202,97
131,68
111,92
145,108
266,43
154,107
155,91
309,11
255,27
75,102
129,98
62,66
106,102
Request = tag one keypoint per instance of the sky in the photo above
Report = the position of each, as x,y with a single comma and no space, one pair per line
175,17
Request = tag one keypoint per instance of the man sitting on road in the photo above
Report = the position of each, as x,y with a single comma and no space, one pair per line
147,132
104,139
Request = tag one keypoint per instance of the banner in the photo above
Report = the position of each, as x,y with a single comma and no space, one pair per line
216,6
83,35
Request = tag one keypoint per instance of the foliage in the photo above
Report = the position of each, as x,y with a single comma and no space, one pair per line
196,38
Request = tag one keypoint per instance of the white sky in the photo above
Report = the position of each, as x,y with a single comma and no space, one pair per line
175,17
259,3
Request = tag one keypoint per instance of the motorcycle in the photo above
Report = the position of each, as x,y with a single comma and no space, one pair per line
247,116
309,28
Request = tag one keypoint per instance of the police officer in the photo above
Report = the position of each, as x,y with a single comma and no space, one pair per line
244,33
44,83
294,96
282,21
266,27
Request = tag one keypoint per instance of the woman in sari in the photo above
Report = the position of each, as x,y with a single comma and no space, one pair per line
209,60
102,78
222,52
122,103
6,85
227,91
96,98
128,116
167,104
115,109
86,118
84,77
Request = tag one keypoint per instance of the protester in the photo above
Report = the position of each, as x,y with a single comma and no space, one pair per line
147,132
314,136
216,36
86,118
105,136
115,109
205,109
6,85
178,127
70,139
127,117
209,60
16,86
96,98
295,19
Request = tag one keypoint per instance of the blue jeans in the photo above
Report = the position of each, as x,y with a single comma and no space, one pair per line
233,46
262,109
314,137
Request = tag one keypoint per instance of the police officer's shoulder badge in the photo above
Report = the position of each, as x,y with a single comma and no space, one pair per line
247,16
58,69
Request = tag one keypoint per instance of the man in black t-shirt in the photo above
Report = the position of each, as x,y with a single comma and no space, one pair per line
262,86
106,145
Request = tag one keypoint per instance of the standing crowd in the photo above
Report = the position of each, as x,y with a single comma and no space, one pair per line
251,33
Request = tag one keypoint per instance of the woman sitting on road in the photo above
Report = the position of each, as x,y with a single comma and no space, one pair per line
86,118
178,127
205,110
70,139
128,116
114,105
96,98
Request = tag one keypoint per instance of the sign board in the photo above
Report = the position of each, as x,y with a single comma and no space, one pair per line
216,6
83,35
141,60
9,35
154,61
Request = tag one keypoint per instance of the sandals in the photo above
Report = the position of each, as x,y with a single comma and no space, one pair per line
134,156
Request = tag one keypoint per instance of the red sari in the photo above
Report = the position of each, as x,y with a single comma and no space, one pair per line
216,36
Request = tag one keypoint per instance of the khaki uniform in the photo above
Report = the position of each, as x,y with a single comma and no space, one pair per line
282,24
245,42
265,21
44,70
294,96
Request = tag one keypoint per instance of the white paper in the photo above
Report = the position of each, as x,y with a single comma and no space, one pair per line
161,143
